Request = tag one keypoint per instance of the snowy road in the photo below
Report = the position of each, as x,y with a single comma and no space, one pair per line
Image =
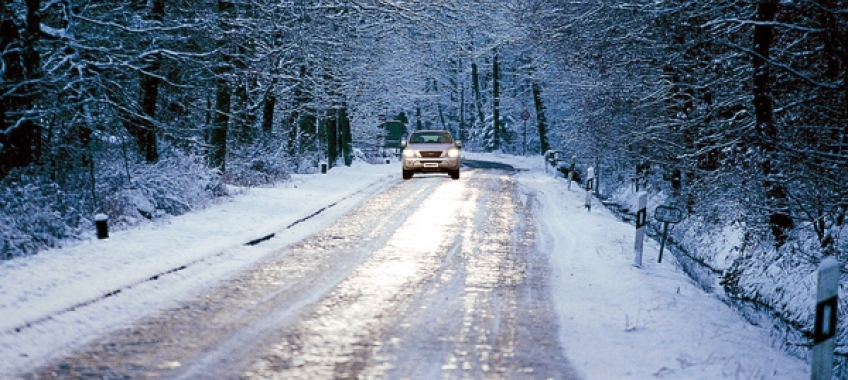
432,278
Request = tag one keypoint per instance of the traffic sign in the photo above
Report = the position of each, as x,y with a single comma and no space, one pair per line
525,115
668,214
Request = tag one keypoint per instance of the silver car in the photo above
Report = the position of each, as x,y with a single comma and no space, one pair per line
429,152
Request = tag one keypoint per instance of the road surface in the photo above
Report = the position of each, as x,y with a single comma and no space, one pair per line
431,279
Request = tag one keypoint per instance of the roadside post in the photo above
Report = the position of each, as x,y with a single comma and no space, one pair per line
590,181
824,331
323,166
571,171
101,222
641,221
551,158
666,215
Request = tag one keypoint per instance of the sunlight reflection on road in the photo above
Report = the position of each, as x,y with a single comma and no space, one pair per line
355,309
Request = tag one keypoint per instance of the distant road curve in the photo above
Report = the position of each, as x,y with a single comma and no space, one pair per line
478,164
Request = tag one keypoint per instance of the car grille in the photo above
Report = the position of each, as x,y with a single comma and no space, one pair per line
430,154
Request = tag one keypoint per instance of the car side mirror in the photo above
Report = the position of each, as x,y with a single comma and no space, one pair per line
459,144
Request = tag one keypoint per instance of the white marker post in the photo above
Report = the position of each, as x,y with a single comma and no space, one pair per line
824,331
641,221
590,180
571,171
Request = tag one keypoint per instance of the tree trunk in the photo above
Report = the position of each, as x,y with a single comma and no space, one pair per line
20,141
462,112
223,95
146,130
143,127
775,195
240,123
243,117
540,117
332,143
293,133
220,124
268,112
347,138
475,88
496,106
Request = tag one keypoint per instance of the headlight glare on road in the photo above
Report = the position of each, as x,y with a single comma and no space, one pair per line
408,153
453,153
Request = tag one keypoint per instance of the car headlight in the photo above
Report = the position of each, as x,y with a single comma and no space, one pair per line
408,153
453,153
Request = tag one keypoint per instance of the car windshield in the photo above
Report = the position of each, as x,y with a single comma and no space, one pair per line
431,138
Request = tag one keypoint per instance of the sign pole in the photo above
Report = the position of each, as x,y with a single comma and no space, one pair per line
662,242
824,331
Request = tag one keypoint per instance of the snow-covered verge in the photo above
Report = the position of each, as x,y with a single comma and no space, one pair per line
617,321
769,287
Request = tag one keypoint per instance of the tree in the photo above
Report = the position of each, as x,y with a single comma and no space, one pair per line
496,108
20,134
223,93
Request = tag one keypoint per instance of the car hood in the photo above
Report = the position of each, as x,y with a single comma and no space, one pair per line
429,146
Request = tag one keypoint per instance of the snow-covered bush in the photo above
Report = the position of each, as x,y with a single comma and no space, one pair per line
258,164
175,185
36,212
39,211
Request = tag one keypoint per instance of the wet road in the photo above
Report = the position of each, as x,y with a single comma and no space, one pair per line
432,279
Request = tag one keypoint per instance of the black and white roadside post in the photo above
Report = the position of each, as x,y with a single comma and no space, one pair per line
590,181
552,159
641,221
101,223
666,215
571,171
824,331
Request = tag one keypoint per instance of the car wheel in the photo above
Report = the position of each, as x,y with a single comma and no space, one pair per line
407,174
454,174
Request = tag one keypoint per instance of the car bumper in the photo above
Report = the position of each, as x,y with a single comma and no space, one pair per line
430,164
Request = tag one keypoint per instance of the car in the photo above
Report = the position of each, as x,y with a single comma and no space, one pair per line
430,151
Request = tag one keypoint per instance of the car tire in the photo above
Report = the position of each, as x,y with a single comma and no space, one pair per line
454,174
407,174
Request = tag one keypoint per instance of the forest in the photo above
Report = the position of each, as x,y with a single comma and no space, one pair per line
736,111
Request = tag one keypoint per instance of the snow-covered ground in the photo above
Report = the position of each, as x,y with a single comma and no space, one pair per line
617,321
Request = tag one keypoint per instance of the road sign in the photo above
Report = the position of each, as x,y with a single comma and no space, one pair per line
525,115
668,214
